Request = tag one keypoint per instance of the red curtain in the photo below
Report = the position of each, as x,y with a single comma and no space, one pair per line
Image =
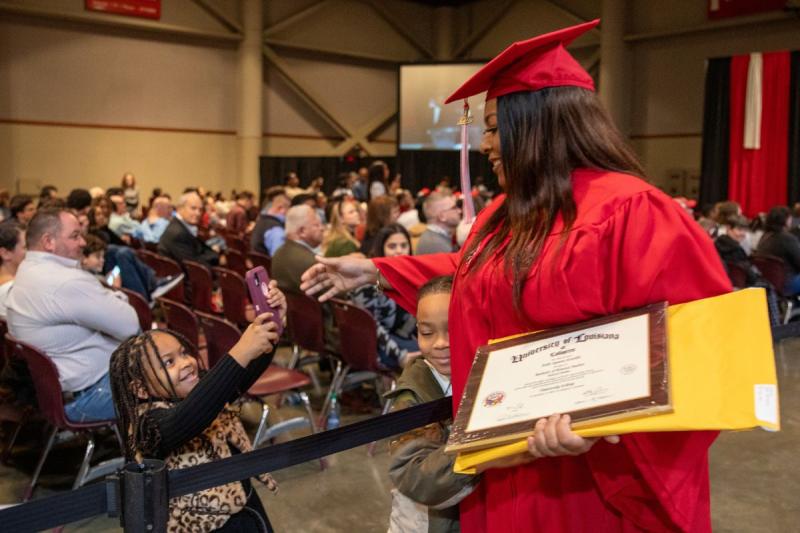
757,178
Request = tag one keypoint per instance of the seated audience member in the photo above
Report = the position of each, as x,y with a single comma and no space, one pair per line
339,239
381,212
707,219
344,184
292,185
359,187
120,221
98,225
22,208
171,409
100,259
730,250
396,327
378,179
269,233
427,491
779,242
321,205
152,227
236,220
442,215
180,240
97,192
304,232
5,197
80,201
48,192
409,217
12,252
63,311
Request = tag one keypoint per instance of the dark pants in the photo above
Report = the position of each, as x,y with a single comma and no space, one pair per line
252,519
135,275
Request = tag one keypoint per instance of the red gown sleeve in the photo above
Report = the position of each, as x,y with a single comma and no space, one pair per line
656,252
408,273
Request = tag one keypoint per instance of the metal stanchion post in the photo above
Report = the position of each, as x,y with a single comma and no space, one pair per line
144,497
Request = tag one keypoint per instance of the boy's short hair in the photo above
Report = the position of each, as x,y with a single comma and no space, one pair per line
439,285
93,244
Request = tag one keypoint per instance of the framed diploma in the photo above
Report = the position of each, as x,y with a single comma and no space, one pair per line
610,368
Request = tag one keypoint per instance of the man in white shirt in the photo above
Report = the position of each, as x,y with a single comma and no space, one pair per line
66,313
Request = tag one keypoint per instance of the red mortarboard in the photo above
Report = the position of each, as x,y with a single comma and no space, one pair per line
531,65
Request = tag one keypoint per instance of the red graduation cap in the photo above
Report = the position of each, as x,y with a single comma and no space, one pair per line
531,65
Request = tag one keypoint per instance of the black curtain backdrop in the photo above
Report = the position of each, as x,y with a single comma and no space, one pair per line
793,172
426,168
716,132
419,168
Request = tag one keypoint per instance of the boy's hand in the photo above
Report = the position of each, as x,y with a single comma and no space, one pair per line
258,338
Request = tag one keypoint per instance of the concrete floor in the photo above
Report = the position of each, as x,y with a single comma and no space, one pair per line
755,478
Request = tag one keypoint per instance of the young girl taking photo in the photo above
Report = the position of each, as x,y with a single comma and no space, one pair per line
170,408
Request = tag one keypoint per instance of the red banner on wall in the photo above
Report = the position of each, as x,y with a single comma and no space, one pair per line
150,9
721,9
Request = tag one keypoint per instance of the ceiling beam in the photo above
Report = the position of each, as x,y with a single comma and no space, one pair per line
390,62
295,18
361,135
716,25
570,14
303,93
380,8
115,21
473,38
233,25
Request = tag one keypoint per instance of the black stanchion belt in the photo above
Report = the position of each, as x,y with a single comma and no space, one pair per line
99,498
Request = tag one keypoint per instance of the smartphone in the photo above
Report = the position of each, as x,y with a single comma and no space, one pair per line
112,276
257,281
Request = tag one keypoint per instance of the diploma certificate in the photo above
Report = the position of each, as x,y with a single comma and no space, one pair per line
610,368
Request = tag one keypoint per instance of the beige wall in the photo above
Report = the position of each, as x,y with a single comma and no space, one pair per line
176,74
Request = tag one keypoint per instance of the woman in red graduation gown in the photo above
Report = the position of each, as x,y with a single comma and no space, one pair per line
577,235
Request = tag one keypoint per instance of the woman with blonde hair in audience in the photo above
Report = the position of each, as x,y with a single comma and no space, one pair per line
12,252
339,239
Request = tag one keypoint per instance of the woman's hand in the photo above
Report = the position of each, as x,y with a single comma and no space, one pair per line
553,437
258,338
331,276
277,300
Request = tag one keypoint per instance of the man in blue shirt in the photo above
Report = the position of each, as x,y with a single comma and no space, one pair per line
269,234
157,220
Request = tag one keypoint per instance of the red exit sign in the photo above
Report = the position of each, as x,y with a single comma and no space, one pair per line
150,9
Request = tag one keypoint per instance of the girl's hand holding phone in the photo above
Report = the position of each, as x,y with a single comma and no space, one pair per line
277,300
259,338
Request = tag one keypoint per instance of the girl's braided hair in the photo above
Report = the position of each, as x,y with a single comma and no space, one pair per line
129,376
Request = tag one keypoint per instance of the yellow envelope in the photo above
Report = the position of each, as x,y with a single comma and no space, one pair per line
722,373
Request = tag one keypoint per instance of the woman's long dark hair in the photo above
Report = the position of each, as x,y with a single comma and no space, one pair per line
544,136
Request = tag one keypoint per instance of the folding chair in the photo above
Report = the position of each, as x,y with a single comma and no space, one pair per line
774,271
259,259
235,297
358,337
221,335
51,404
10,409
235,242
235,261
737,275
142,308
200,284
181,319
169,267
306,332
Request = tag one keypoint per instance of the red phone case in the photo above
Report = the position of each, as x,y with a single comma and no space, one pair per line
257,281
